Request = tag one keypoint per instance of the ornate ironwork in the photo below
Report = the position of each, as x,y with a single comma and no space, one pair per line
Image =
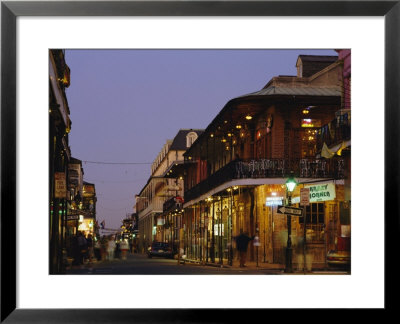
270,168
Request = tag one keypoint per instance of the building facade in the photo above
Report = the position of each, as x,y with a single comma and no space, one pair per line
154,221
59,156
87,218
235,173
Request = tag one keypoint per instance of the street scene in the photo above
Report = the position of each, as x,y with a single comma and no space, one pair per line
200,162
140,264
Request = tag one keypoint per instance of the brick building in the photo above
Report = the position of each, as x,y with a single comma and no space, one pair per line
236,170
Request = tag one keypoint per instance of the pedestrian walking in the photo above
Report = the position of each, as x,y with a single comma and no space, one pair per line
124,246
134,247
97,249
111,245
75,250
242,241
117,251
82,246
103,247
90,248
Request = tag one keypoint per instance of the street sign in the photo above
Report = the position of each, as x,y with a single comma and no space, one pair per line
305,196
72,217
60,185
290,211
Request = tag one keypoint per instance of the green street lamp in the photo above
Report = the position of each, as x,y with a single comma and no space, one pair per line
290,185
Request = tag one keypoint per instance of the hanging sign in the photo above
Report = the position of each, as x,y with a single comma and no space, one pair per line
304,196
60,185
322,192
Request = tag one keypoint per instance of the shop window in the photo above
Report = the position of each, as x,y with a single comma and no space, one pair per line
308,143
315,222
315,215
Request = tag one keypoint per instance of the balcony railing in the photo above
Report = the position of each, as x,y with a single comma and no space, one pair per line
270,168
155,206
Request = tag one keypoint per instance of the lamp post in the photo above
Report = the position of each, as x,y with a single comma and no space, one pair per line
290,185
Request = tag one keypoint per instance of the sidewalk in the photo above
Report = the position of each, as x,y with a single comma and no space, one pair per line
250,265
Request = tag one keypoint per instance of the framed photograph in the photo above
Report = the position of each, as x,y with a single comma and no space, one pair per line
33,287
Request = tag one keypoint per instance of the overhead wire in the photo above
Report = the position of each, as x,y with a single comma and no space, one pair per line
124,163
110,181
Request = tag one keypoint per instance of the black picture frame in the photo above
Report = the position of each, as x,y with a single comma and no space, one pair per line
10,10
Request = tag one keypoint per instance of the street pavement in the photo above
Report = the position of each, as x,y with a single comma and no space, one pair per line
140,264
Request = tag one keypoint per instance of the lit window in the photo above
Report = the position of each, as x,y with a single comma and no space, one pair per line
306,122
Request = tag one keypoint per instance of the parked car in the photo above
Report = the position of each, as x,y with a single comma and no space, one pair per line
338,259
160,249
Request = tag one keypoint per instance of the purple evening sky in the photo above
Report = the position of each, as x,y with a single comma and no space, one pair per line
125,104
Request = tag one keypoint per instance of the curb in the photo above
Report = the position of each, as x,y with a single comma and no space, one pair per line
226,266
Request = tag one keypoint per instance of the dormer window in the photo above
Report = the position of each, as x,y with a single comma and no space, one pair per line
190,138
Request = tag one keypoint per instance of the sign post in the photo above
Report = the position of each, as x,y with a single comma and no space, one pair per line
305,196
290,211
304,201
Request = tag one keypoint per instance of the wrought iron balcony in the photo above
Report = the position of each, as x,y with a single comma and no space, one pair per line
270,168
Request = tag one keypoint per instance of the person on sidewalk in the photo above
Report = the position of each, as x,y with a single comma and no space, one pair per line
90,250
103,247
82,245
242,241
97,250
111,245
124,246
75,251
